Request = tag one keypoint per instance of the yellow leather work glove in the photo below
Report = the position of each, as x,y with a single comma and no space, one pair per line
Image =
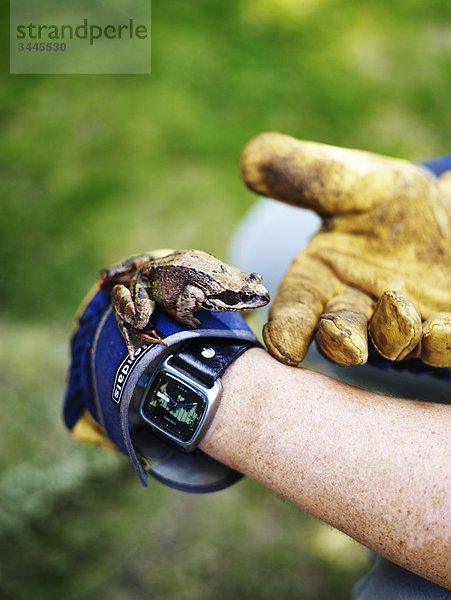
381,262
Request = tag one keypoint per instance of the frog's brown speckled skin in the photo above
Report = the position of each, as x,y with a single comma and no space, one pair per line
179,283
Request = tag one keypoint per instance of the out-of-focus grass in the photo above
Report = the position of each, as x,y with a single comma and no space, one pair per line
97,168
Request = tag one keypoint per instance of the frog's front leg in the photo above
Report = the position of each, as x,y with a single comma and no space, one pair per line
190,300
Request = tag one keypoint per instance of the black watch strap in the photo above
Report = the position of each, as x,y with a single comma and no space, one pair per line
207,358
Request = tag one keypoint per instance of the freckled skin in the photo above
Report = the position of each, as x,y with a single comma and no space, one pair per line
375,467
179,283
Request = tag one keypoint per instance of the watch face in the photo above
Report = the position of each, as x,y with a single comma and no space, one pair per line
174,407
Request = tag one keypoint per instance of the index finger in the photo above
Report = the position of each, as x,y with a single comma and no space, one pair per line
327,179
297,307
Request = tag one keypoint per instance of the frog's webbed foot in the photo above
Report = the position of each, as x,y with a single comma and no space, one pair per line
152,336
193,323
189,320
127,330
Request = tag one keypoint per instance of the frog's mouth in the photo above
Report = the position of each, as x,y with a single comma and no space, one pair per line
230,300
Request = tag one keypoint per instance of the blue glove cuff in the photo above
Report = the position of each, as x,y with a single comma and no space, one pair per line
102,378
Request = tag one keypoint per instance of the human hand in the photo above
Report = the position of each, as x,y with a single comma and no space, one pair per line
380,263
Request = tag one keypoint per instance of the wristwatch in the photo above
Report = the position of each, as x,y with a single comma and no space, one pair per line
180,396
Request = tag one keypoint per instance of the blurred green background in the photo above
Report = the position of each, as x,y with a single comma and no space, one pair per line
95,168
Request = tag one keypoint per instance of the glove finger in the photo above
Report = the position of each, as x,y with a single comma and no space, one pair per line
297,307
327,179
395,327
436,340
342,333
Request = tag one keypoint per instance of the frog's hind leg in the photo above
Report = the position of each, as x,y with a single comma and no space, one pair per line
125,331
132,310
122,272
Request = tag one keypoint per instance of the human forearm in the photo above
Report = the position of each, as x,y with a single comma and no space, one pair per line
374,467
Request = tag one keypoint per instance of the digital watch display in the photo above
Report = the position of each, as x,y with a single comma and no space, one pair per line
177,406
174,407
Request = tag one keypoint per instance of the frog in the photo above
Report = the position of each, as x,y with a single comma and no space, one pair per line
180,283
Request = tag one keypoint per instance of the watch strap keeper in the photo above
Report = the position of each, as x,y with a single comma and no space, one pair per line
208,358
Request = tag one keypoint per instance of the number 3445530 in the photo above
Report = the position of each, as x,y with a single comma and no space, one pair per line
42,47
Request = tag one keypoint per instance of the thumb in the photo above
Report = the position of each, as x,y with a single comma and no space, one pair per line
327,179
